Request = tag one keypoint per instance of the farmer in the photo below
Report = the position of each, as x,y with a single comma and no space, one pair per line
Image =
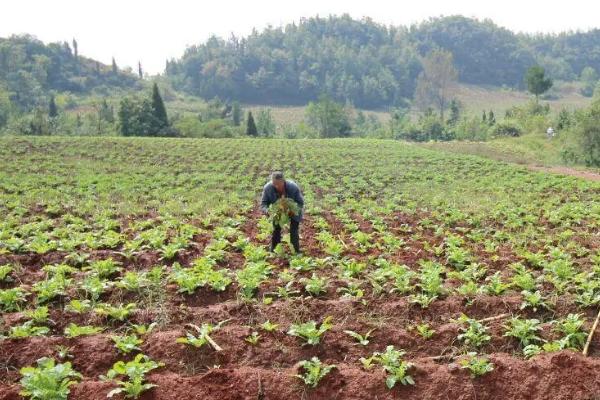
280,187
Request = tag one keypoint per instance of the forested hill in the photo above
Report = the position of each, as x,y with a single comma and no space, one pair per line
30,70
370,64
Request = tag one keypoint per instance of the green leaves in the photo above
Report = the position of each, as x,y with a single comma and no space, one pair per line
282,210
48,380
203,335
477,366
392,363
130,376
314,371
74,330
310,332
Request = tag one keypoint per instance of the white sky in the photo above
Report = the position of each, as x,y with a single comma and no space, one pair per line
154,30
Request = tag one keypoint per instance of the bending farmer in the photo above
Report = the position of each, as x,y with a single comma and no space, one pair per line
279,187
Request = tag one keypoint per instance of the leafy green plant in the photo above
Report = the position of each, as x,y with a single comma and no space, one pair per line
119,312
309,330
79,306
361,339
425,331
74,330
203,335
269,326
135,373
315,285
477,366
474,333
396,368
571,328
282,210
127,343
12,299
314,371
26,330
253,338
38,315
48,380
525,330
5,271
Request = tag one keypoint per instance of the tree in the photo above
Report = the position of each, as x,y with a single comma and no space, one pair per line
491,118
251,126
140,72
264,123
236,114
537,83
52,109
589,130
589,80
115,69
158,109
437,82
328,118
75,49
455,108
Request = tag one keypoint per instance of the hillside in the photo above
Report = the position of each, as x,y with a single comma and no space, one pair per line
369,64
30,70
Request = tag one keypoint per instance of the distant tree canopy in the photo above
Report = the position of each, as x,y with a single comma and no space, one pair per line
369,64
537,82
437,83
31,70
139,116
328,118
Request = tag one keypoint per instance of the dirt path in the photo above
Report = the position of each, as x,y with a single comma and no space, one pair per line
589,175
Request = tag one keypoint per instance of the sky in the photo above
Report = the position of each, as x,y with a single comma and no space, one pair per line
151,31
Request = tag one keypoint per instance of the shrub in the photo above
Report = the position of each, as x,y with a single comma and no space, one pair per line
506,128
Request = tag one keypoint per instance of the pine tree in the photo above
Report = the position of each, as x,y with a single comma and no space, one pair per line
52,109
115,69
75,49
140,72
251,126
484,117
236,114
158,108
491,118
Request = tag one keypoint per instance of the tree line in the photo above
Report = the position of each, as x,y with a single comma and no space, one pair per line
372,65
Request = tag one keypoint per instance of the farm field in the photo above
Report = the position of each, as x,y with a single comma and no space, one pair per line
425,274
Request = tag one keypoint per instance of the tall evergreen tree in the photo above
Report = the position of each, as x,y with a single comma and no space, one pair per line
52,109
251,126
158,108
491,118
75,49
115,69
140,72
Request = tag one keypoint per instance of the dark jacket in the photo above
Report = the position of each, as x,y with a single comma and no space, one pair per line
292,191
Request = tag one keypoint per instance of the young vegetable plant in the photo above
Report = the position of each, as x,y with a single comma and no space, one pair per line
127,343
572,329
134,373
314,371
48,380
73,330
393,364
309,331
361,339
203,336
477,366
253,338
525,330
474,333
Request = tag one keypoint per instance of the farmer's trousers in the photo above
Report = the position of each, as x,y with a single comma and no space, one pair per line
294,235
